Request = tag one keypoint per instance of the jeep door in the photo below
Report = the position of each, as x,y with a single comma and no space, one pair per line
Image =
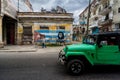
108,50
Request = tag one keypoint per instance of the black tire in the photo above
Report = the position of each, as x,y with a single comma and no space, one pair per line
75,67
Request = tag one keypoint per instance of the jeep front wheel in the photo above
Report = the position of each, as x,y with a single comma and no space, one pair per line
75,67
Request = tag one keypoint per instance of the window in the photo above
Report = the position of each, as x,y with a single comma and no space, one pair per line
27,29
105,6
61,27
107,17
99,9
44,27
117,27
27,34
119,10
108,40
91,39
112,40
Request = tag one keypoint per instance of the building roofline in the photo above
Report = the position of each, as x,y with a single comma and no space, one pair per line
41,13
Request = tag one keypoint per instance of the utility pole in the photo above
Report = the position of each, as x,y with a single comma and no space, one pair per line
17,23
18,5
88,17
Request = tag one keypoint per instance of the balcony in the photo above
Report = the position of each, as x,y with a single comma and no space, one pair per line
106,10
97,3
116,18
105,22
83,22
102,1
95,17
93,8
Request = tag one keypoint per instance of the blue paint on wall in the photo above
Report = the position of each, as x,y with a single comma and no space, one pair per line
52,35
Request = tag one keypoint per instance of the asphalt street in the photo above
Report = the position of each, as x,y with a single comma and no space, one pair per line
44,66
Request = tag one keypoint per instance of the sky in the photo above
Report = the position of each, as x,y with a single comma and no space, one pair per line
71,6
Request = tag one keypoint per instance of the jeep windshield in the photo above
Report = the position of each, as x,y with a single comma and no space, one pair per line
90,39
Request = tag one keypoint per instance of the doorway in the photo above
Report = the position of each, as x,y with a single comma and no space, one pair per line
10,33
9,30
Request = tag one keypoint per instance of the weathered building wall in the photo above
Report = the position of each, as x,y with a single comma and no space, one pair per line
23,5
51,33
104,15
53,29
116,17
1,42
48,24
8,8
8,19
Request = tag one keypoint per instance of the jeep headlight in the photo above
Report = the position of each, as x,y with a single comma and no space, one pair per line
62,52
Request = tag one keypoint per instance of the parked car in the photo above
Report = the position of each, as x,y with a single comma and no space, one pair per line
95,49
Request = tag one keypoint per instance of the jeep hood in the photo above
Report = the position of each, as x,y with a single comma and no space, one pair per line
80,47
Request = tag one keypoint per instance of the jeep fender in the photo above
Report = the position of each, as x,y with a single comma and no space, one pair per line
78,54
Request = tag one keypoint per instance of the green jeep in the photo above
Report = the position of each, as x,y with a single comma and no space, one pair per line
95,49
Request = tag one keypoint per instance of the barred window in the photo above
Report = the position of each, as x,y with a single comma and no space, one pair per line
44,27
119,10
61,27
27,29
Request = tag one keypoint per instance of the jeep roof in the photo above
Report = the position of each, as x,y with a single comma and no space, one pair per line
106,33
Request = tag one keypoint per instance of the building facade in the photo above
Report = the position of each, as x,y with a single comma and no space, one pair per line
104,15
116,16
19,24
106,10
44,23
94,16
83,19
8,20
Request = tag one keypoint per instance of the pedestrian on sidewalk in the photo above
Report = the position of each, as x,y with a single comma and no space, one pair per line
43,42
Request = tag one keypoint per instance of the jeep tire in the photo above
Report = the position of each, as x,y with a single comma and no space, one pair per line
75,67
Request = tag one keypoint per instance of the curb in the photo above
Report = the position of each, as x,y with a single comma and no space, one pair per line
38,50
18,50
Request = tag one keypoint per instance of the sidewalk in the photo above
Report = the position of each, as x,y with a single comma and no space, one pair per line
18,48
49,49
76,42
29,48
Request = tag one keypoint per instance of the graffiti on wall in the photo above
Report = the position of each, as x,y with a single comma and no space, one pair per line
38,36
20,30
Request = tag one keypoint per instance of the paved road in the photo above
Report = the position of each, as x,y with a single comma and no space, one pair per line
44,66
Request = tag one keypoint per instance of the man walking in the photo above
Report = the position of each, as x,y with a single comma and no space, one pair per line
43,42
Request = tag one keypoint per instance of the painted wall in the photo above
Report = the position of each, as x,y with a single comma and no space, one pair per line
51,34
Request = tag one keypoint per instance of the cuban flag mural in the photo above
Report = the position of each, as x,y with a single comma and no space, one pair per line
53,36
